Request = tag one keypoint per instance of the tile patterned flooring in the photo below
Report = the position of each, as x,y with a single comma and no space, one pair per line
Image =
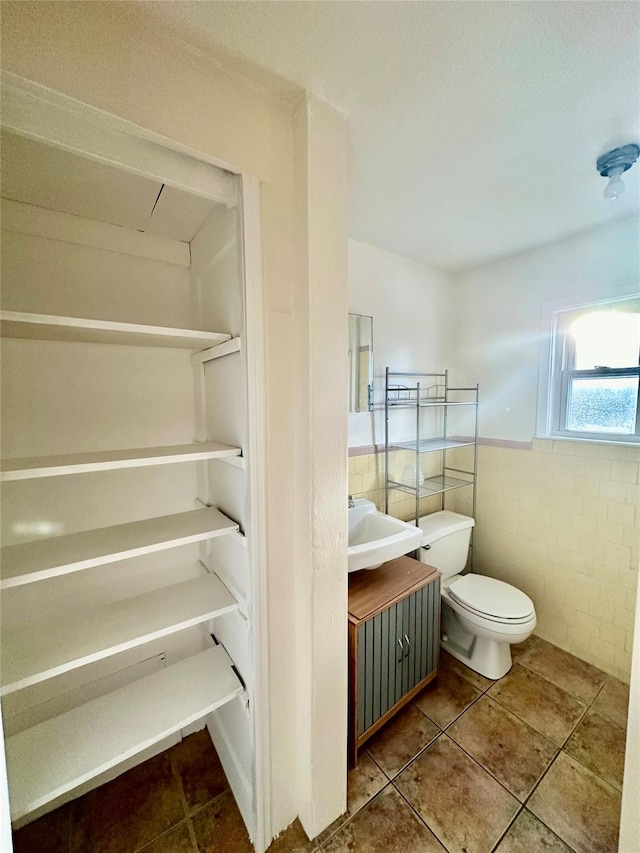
532,762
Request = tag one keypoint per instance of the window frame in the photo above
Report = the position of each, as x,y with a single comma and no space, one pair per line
554,387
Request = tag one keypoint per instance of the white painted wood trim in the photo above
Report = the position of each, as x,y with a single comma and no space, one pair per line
34,653
47,558
81,463
41,113
240,538
241,786
53,225
219,351
219,571
50,327
60,754
235,462
257,453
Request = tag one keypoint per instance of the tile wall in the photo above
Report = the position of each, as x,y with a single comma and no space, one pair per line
561,521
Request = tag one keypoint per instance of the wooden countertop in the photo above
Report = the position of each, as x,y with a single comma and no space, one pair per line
373,590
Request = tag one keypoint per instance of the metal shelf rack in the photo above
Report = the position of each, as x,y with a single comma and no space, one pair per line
420,391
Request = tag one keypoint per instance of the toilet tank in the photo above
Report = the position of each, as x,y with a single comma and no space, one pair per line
445,543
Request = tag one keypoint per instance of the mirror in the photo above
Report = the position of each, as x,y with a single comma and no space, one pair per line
360,363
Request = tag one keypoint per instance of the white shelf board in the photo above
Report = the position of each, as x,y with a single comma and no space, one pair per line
60,754
34,653
105,460
49,327
29,562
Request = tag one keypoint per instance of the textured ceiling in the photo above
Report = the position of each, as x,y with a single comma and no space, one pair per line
474,126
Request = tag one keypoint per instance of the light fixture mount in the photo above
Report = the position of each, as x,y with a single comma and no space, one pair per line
613,164
621,158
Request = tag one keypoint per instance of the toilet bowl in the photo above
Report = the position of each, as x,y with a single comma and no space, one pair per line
481,616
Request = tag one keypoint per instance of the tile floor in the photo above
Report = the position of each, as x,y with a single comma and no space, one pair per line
530,763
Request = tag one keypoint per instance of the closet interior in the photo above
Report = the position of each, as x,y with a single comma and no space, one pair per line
126,481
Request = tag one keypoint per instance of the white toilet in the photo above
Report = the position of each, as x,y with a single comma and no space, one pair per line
481,616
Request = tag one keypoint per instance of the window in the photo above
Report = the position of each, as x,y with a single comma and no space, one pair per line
595,372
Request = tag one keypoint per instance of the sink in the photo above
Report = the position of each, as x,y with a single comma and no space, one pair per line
375,537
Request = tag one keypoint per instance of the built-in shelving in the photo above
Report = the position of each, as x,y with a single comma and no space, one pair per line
418,391
42,559
33,467
60,754
126,608
35,653
50,327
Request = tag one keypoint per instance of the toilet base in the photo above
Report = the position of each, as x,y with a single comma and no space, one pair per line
488,657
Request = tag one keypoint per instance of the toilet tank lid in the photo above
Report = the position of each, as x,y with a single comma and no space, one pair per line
442,523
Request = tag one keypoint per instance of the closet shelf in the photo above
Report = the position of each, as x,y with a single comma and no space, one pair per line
428,445
32,654
50,327
29,562
432,486
60,754
105,460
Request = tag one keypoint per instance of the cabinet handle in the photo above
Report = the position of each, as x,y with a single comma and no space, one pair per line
406,654
401,655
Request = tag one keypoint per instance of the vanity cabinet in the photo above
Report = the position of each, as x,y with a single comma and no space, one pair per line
394,632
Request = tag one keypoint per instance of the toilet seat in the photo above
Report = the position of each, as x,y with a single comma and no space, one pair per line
491,599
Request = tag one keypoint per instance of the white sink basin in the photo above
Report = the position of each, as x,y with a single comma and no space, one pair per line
375,537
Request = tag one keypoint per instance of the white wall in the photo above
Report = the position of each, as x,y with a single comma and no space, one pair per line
409,304
498,308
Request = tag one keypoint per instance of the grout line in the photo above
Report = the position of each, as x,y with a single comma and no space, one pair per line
411,760
192,835
222,794
177,777
148,844
508,827
420,818
352,816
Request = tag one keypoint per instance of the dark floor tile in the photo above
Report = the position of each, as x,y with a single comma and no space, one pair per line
199,769
293,840
447,661
219,828
548,709
401,739
613,701
578,806
363,782
518,649
527,835
47,834
386,824
177,840
130,811
446,697
577,677
459,801
509,749
599,744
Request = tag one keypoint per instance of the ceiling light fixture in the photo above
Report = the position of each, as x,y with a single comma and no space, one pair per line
612,165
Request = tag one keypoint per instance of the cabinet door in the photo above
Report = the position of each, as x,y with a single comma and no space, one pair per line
396,650
421,634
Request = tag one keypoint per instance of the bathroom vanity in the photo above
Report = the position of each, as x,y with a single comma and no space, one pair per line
394,633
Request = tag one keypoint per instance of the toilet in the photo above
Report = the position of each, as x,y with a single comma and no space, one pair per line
481,616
